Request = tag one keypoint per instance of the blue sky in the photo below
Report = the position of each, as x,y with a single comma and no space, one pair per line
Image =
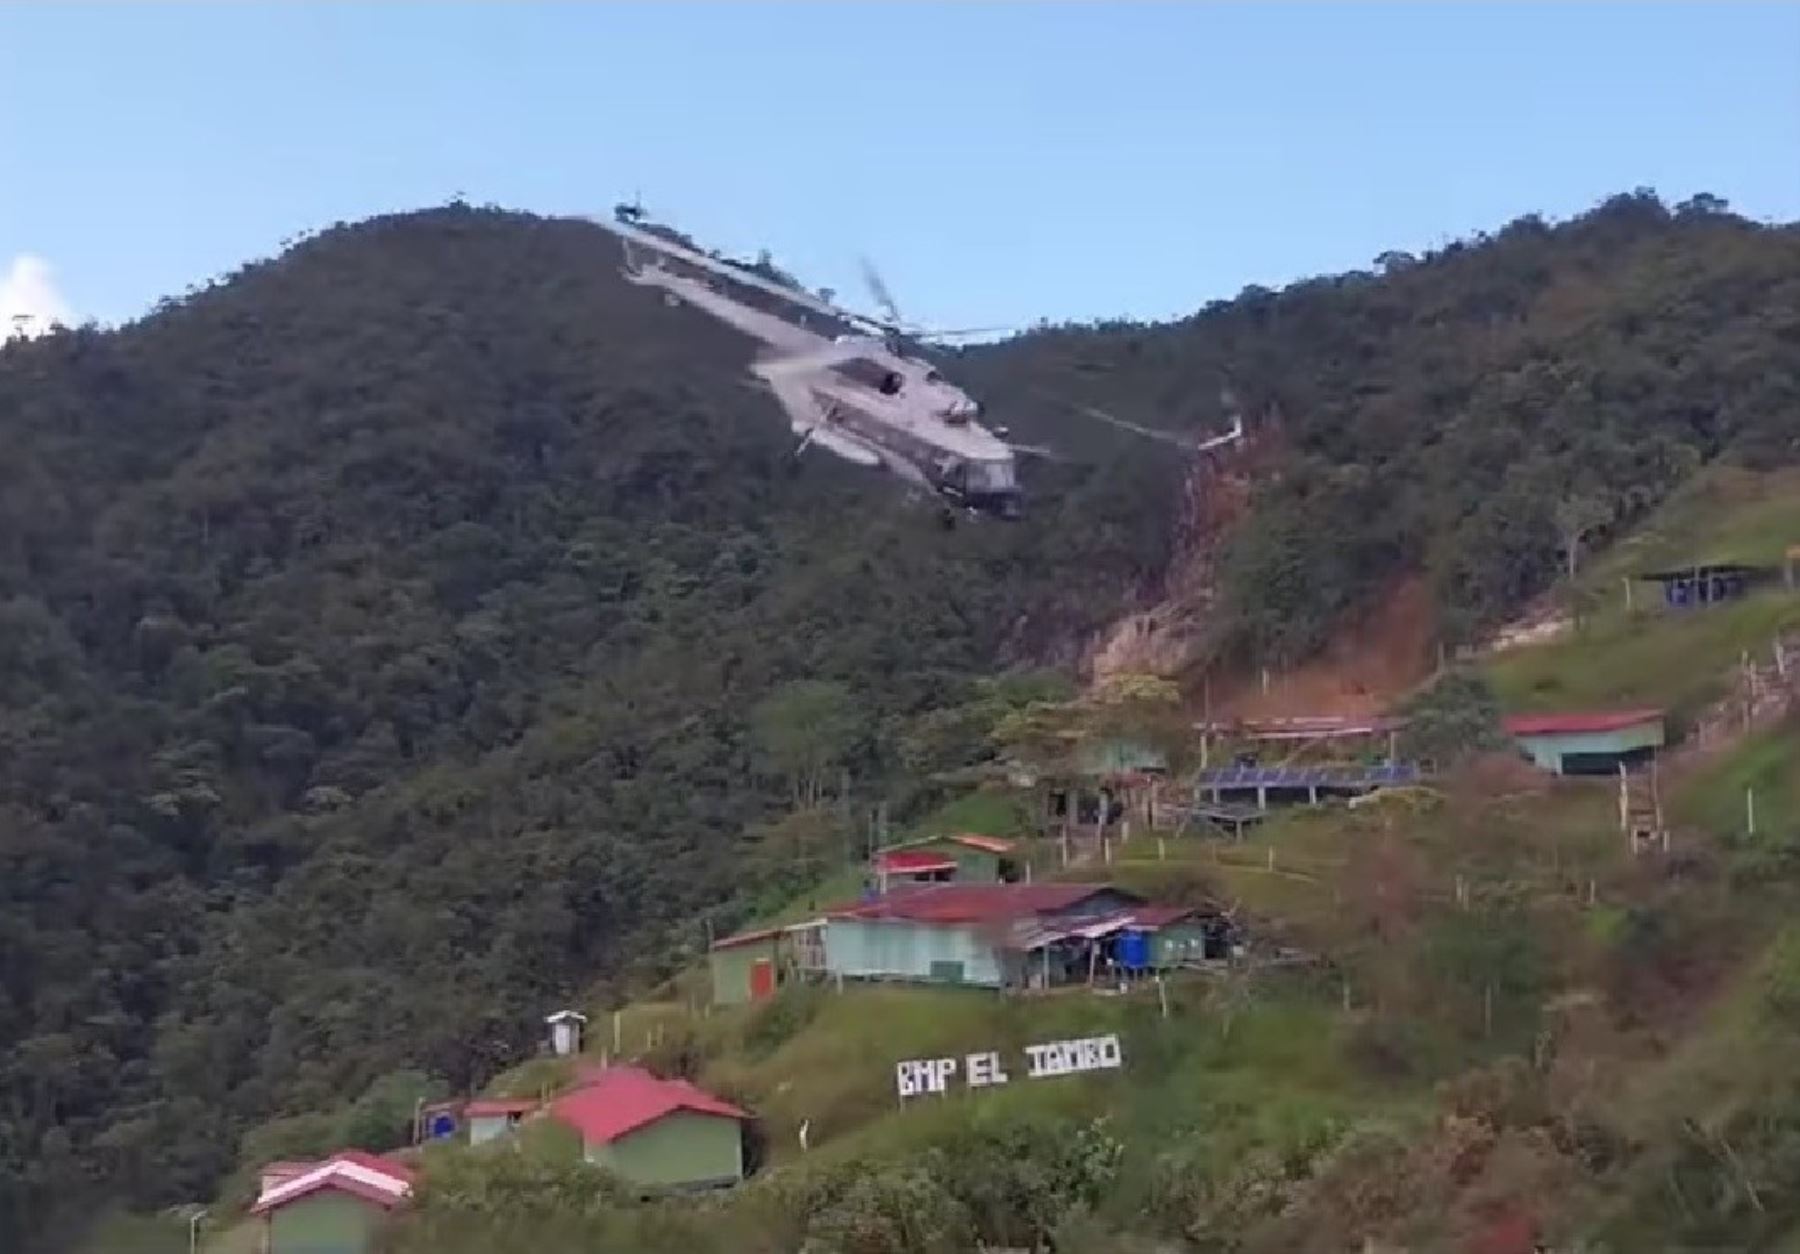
1001,162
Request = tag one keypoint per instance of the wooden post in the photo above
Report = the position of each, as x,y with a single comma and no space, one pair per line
1749,678
1162,849
618,1030
1624,805
1162,995
1271,857
1627,582
1750,811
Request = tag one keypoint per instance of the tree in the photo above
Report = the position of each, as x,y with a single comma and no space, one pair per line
1457,716
803,730
1576,518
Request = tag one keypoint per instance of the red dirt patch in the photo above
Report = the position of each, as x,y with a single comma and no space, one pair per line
1367,666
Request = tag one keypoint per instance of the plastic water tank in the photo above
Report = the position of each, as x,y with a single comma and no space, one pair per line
1134,950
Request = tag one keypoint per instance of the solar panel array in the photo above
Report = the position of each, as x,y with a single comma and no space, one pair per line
1387,776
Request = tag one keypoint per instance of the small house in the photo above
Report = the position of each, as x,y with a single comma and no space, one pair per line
753,965
489,1118
332,1207
1587,742
1176,936
962,934
1708,583
964,858
657,1134
279,1172
1131,942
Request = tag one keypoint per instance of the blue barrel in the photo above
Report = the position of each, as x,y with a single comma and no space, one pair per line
1134,950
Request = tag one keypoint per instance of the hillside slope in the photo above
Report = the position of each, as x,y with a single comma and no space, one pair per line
424,628
1451,416
380,638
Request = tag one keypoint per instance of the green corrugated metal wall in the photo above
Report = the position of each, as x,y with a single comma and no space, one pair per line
897,949
683,1150
1178,943
731,969
324,1223
1549,750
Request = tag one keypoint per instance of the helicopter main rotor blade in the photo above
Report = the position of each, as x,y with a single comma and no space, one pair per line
879,290
1187,443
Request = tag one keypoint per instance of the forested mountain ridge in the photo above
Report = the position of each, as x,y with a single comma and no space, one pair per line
1457,415
384,633
379,638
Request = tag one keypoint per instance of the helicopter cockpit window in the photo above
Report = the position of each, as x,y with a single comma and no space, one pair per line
890,384
932,376
995,476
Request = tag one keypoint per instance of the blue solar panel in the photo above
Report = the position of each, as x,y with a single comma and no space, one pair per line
1310,776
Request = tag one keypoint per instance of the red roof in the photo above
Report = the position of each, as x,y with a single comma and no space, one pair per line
971,903
382,1181
488,1107
1578,721
912,862
987,844
619,1100
1159,916
748,938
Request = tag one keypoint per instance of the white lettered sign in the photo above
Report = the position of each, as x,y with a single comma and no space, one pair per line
919,1076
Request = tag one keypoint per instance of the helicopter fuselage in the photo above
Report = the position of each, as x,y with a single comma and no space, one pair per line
856,395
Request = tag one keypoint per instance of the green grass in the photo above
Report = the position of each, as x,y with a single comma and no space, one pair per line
1648,654
1680,661
985,813
1769,764
1724,515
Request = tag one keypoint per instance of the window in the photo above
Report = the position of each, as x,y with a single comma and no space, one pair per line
990,476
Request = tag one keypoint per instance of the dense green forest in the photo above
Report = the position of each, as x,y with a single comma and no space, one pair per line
411,632
1462,414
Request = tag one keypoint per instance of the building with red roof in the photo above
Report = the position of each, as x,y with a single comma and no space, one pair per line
959,857
490,1117
1588,742
657,1134
330,1207
957,933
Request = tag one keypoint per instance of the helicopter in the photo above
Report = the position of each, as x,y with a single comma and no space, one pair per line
849,383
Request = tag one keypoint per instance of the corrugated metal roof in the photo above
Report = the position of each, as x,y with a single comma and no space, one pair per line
1578,721
488,1107
1036,934
972,903
371,1177
912,862
618,1100
747,938
987,844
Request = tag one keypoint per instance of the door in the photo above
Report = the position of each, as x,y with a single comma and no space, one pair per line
762,978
